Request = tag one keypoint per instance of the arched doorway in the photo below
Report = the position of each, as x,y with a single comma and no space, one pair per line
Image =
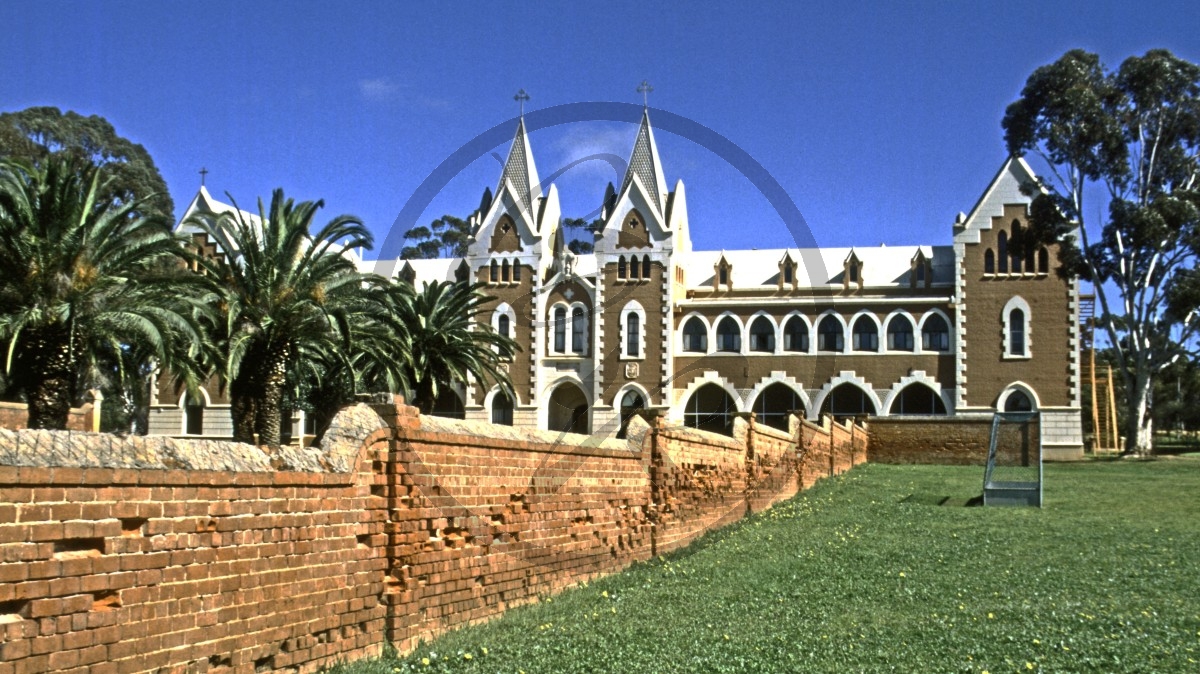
1018,401
848,400
568,410
776,402
710,408
918,399
631,403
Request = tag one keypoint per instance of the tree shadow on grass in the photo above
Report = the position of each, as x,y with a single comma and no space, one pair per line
942,500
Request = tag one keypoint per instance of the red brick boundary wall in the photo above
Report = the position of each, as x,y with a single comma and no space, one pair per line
15,416
122,555
932,440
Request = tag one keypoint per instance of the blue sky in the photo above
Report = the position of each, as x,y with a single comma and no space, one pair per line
881,121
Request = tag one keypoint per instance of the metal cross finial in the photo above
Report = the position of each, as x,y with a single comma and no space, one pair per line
521,97
203,173
645,89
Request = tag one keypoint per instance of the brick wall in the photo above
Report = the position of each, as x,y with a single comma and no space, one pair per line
157,554
15,416
938,440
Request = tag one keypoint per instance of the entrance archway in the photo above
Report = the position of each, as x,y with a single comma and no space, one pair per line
568,410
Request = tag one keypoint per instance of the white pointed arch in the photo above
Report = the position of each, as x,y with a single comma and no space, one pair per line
632,308
777,377
708,332
774,327
812,340
815,337
504,309
716,324
883,333
844,377
1016,302
917,377
708,377
1021,386
493,392
628,387
183,396
869,315
921,331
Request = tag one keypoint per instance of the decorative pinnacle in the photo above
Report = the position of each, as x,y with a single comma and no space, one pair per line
521,97
645,89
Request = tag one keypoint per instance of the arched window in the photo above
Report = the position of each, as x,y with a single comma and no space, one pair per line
578,330
918,399
1016,332
504,271
633,267
776,402
788,274
729,335
645,266
495,277
1018,401
633,335
1002,250
795,335
710,409
1016,250
1043,261
866,335
621,267
900,333
989,262
502,326
935,334
193,413
723,275
516,268
502,409
830,336
695,336
762,335
848,400
631,402
560,330
921,271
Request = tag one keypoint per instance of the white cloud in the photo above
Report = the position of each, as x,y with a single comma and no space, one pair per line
378,89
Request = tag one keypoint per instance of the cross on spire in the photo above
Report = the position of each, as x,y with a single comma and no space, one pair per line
203,173
520,98
645,89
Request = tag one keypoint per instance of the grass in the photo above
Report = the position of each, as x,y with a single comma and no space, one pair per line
885,569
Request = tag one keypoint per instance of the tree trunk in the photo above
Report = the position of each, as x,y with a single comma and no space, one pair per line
425,398
1139,422
242,409
48,379
269,412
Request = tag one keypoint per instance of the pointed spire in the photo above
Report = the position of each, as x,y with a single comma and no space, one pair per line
644,163
521,172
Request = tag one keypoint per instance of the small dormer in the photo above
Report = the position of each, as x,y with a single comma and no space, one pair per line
722,274
633,232
788,272
852,272
920,270
462,273
407,274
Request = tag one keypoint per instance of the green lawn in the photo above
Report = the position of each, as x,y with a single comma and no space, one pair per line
867,572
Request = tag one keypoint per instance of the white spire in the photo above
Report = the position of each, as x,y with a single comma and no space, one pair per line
644,163
521,173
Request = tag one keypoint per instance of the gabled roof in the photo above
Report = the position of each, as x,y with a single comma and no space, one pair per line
520,172
644,163
1005,188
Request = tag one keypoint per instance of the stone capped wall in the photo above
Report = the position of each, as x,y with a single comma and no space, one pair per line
123,555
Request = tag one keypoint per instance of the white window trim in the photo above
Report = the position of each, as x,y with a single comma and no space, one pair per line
633,307
816,337
880,338
1023,388
708,332
746,335
811,333
883,341
920,336
503,309
1017,302
587,324
551,326
712,342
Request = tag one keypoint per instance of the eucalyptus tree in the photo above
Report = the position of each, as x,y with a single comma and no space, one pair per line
86,283
287,295
446,344
1134,133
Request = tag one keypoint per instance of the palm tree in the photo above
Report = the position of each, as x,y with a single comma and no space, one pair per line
443,347
287,296
85,283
